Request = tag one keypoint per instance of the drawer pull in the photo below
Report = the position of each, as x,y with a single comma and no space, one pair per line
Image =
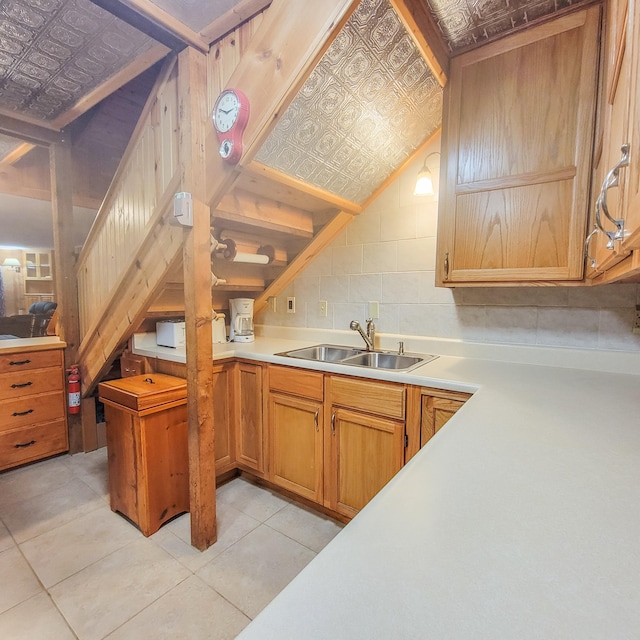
14,363
21,386
23,445
22,413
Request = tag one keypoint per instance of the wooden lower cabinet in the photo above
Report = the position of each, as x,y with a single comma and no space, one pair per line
436,411
364,440
365,453
33,422
295,445
249,417
223,417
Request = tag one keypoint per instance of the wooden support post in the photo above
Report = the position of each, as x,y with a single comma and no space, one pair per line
192,79
66,284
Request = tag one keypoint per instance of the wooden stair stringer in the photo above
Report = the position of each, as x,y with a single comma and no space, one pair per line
140,285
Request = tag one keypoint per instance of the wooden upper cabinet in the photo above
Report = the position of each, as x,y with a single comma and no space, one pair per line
517,151
614,244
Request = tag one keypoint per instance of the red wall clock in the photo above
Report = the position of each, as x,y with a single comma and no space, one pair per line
230,116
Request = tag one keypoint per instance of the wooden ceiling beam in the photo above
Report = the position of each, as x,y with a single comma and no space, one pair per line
13,156
421,25
242,11
28,130
332,200
150,19
112,84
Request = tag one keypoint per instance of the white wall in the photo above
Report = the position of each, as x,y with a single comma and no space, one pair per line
387,254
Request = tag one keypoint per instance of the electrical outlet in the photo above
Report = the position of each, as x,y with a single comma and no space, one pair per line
271,301
291,305
322,308
636,320
374,310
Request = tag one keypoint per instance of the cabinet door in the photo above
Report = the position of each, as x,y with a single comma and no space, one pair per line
248,414
366,452
295,445
222,417
517,145
632,199
603,252
436,412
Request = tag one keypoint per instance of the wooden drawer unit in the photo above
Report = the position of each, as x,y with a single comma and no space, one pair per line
32,406
14,362
28,381
32,443
297,382
381,398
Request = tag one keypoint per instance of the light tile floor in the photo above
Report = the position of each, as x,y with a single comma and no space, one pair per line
70,568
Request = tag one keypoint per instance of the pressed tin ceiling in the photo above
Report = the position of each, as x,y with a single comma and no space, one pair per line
53,52
368,104
464,23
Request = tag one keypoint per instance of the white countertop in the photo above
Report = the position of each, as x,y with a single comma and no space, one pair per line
519,520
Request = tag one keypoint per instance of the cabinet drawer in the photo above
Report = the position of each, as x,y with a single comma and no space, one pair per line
297,382
29,381
32,443
31,410
12,362
384,399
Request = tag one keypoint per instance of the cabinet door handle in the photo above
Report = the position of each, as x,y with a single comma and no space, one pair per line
315,419
590,259
24,444
446,265
611,180
15,363
20,386
333,423
22,413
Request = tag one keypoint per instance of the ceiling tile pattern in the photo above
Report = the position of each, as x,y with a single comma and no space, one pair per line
367,105
464,23
53,52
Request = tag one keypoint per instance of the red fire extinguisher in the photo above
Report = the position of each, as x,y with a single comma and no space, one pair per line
74,389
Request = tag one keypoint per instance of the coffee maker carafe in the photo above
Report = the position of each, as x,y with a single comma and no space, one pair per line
241,327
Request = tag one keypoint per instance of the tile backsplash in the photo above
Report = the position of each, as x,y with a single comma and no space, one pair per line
387,254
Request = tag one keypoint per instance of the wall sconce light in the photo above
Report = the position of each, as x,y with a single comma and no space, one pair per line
424,183
14,263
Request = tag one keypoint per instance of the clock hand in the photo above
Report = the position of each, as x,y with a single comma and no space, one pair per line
229,111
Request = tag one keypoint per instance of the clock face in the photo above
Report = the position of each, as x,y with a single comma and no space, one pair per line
226,111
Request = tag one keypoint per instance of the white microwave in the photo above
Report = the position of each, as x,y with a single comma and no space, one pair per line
170,333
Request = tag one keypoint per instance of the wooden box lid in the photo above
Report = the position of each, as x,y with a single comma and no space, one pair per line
145,391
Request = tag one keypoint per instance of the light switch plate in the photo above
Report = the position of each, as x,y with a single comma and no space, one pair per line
271,301
636,320
374,310
322,308
291,305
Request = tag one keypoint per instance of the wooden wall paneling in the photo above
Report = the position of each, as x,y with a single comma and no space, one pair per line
123,308
193,123
64,271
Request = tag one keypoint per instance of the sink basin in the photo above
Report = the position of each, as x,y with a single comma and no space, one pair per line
359,357
377,360
322,352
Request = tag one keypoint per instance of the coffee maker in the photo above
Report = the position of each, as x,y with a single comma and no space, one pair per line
241,327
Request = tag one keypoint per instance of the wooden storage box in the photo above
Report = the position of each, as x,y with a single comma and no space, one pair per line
146,420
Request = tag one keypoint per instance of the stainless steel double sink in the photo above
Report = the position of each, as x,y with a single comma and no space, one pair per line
360,357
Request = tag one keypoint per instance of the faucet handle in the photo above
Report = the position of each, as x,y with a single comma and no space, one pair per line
401,348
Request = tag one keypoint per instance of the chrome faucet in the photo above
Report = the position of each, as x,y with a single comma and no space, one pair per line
370,336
